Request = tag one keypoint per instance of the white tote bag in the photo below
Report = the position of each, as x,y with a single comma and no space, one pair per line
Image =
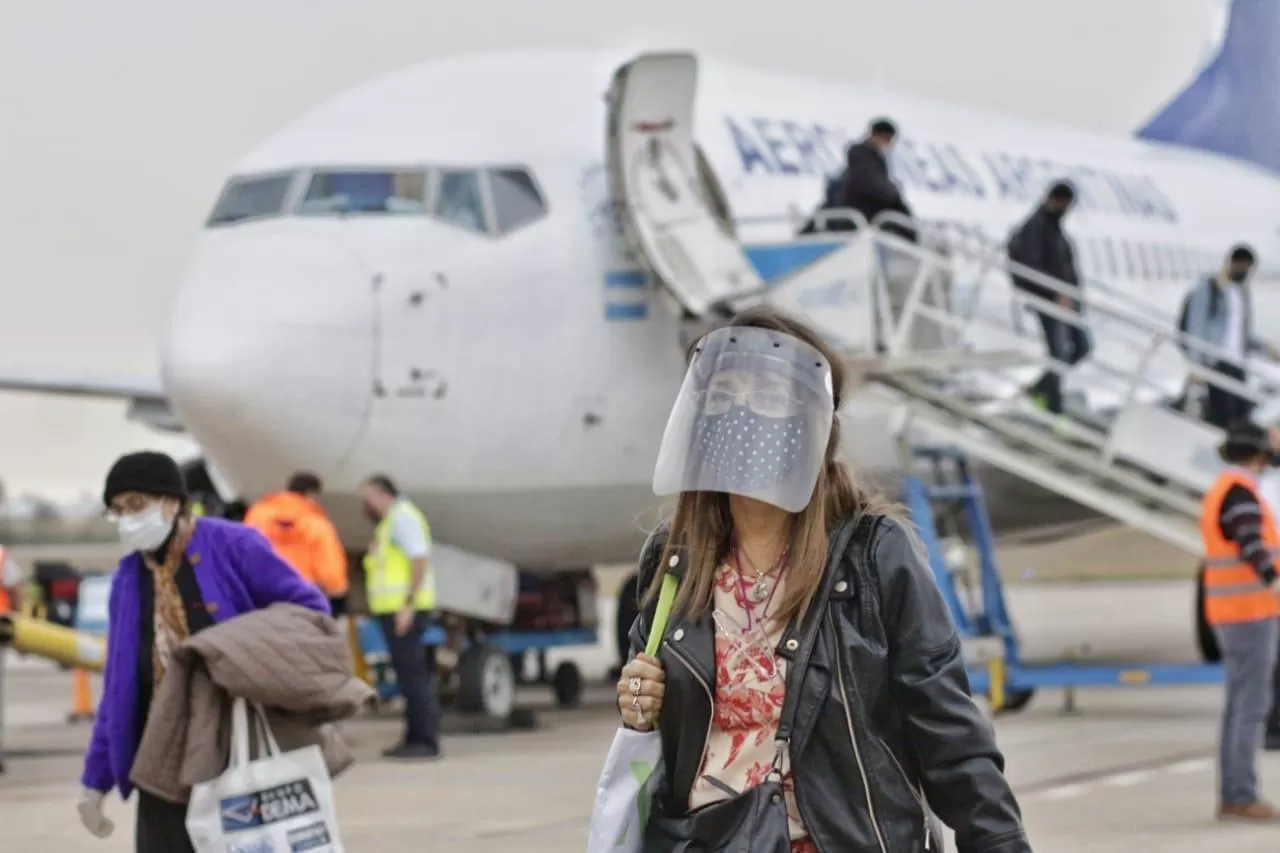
633,769
279,803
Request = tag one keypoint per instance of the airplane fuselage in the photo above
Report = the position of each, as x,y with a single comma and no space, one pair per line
516,385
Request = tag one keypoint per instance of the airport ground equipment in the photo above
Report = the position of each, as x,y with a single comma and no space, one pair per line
482,664
74,649
940,484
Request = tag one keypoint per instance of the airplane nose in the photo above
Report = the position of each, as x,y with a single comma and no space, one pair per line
268,355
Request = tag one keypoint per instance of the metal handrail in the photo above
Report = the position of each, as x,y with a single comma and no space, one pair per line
1132,313
1133,377
998,249
1142,310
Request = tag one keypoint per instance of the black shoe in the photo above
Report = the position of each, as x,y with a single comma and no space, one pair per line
1273,742
412,752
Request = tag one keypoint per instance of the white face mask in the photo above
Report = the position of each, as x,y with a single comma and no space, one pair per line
144,531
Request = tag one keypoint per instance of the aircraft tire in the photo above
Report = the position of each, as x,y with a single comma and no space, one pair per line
1205,640
568,685
486,682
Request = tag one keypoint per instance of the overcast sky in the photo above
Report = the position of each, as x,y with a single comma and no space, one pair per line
121,120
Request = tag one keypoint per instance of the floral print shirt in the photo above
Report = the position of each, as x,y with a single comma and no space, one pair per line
750,686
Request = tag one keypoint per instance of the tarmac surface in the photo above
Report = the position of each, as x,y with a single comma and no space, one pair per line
1129,769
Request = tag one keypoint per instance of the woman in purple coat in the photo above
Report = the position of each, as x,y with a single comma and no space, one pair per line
181,575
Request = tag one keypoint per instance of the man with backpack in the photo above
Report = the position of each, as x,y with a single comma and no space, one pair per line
865,185
1218,312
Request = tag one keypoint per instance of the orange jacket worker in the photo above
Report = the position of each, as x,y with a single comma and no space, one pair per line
300,532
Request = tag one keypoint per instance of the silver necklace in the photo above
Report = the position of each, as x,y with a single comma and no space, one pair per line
760,588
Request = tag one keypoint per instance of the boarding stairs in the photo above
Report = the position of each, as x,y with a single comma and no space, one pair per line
932,327
1120,449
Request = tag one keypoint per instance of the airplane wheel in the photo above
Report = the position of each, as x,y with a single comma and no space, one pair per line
567,684
1205,639
486,682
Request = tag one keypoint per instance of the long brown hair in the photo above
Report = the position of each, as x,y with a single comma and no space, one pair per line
703,527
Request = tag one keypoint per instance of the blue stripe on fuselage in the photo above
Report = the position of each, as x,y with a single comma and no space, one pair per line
773,262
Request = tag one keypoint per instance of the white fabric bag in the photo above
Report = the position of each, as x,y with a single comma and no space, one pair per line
632,770
280,803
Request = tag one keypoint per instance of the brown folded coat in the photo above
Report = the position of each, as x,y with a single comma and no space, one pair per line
294,662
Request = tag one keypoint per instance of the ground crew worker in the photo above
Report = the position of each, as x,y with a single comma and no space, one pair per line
402,595
296,526
1242,603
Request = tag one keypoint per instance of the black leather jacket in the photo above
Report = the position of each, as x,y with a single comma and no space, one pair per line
887,721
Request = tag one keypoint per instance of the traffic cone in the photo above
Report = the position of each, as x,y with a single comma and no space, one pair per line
81,697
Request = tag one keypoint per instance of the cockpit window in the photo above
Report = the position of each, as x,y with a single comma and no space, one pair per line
459,200
516,200
251,198
339,192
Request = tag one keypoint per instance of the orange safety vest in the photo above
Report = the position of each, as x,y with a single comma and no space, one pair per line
1233,592
4,593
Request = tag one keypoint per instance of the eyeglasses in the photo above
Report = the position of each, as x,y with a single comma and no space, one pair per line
768,402
128,505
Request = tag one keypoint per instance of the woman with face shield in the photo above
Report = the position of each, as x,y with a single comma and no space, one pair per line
809,691
158,600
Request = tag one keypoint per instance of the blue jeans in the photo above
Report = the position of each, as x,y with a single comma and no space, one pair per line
1249,652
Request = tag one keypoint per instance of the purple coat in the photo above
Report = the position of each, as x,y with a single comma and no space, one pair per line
237,572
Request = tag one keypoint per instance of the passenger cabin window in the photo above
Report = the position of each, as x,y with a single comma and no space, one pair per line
251,198
516,200
1113,268
1160,262
459,200
343,192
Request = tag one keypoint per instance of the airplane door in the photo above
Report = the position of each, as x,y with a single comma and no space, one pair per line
668,214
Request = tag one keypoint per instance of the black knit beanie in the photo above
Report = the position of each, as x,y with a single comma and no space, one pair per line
147,472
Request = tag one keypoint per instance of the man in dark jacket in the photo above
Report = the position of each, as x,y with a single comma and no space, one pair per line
866,186
1041,244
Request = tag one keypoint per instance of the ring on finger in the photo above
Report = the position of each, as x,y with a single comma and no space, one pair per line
634,685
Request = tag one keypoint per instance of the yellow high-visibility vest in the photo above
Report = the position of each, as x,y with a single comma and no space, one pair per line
390,571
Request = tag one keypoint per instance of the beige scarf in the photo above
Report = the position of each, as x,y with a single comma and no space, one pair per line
170,615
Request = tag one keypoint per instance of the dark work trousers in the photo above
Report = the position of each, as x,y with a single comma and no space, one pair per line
1249,657
1273,721
1224,407
415,667
161,826
1066,343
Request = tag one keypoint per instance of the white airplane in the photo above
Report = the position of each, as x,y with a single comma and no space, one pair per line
427,276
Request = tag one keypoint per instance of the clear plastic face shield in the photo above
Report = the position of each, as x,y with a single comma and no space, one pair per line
753,418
